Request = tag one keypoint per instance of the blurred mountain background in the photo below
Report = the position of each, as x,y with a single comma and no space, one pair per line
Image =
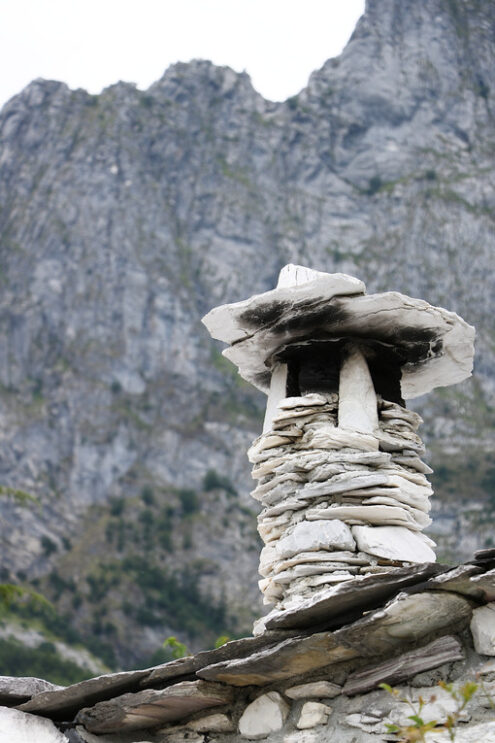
126,216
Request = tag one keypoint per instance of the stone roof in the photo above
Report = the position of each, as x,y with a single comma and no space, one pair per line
337,648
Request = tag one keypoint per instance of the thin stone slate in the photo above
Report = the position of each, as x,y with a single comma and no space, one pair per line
468,580
153,707
404,620
486,584
486,555
407,619
360,594
290,658
15,690
65,702
397,670
234,649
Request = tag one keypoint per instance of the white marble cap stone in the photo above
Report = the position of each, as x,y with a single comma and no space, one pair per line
439,344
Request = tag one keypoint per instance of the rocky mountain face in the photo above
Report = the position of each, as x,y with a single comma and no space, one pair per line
124,217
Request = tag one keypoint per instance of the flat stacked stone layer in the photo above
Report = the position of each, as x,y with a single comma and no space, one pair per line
337,504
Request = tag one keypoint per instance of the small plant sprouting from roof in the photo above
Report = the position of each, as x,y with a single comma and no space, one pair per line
418,728
178,649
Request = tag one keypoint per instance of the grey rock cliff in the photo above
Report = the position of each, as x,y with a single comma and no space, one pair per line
125,217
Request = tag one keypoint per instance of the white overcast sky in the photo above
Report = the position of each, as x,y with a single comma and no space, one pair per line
94,43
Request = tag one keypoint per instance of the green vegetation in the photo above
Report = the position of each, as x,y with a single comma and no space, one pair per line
147,495
470,476
146,100
60,626
128,577
374,185
189,501
213,481
177,649
173,599
48,546
42,662
418,728
117,506
222,640
11,595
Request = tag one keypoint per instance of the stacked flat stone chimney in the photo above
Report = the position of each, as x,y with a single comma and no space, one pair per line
342,486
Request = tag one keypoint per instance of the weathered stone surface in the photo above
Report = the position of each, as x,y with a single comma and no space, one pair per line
265,715
321,689
457,579
361,593
278,384
371,514
438,705
17,689
218,723
483,629
406,619
68,700
178,736
485,583
485,556
233,649
81,735
393,671
19,727
469,580
313,714
357,396
484,732
150,707
393,543
301,736
290,658
316,535
228,322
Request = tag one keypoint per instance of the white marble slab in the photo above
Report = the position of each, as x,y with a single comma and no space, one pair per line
309,536
394,543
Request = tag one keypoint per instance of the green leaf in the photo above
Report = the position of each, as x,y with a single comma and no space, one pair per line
392,728
222,640
389,689
179,650
447,687
417,719
468,690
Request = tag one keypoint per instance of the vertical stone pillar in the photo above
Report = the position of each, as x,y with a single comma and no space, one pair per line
357,397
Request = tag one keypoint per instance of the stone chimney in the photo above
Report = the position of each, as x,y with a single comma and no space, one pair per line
343,490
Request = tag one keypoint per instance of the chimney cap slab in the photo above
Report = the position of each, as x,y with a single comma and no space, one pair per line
437,345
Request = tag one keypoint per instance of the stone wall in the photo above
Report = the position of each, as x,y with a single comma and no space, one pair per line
309,684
